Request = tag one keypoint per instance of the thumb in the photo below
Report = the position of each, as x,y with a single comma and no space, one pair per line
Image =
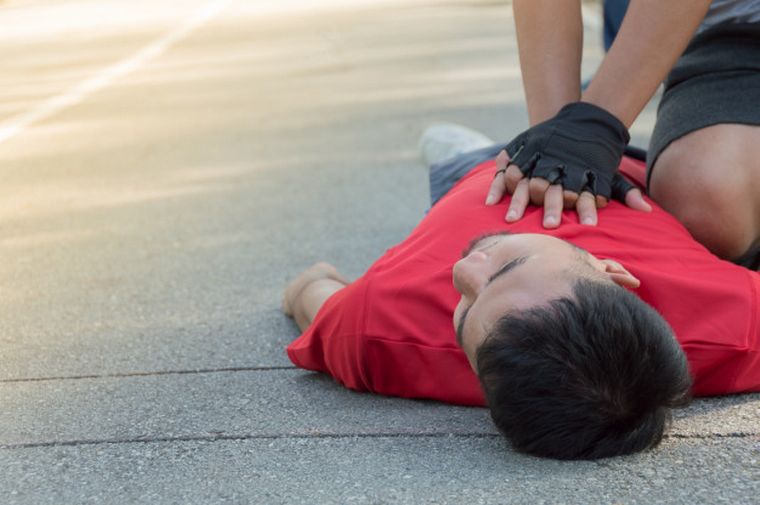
635,200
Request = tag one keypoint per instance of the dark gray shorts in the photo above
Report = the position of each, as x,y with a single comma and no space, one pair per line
716,80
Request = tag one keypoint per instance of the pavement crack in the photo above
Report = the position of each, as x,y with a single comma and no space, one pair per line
705,436
217,437
222,437
150,374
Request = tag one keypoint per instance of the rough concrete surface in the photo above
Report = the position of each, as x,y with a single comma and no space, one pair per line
151,214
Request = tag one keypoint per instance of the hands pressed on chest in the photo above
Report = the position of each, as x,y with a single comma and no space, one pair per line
569,161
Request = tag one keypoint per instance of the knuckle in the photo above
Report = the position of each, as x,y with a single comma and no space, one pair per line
570,195
538,184
587,197
524,183
513,176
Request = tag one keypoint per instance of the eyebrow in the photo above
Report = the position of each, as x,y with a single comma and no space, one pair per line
502,271
506,268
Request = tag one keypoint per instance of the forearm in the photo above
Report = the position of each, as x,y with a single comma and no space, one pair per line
310,300
550,42
653,35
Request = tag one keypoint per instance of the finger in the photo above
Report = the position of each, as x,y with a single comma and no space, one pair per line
512,177
496,190
570,197
502,159
520,201
601,201
586,208
553,203
635,200
538,187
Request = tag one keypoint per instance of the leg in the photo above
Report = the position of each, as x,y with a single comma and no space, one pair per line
451,151
709,180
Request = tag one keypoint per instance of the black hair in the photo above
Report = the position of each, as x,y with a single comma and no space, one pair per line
583,377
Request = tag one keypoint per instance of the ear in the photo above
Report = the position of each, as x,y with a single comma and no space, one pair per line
619,275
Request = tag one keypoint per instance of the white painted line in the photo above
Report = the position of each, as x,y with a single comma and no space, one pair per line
79,92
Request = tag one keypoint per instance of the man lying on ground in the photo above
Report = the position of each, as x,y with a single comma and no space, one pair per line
561,332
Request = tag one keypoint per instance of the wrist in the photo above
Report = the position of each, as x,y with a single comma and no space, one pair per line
593,113
612,103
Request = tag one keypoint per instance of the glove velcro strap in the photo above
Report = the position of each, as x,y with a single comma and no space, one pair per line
514,150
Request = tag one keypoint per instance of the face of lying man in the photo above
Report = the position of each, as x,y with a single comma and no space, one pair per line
504,272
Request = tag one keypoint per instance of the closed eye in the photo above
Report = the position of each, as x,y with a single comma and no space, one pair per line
502,271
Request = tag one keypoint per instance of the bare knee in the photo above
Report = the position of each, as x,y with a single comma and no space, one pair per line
707,185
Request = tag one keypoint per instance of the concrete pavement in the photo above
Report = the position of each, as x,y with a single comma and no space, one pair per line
150,219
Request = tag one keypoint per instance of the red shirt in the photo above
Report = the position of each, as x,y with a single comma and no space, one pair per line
391,331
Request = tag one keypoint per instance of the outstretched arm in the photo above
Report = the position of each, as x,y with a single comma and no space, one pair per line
652,37
306,294
550,43
582,160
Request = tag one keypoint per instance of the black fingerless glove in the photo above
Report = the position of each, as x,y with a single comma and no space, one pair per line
579,148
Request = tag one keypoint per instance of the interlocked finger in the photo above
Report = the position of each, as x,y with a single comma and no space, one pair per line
520,201
553,202
538,187
586,208
570,198
512,176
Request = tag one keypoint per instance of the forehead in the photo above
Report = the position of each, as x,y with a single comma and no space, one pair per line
531,283
533,243
481,240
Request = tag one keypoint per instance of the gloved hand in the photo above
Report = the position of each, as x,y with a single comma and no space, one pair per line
569,161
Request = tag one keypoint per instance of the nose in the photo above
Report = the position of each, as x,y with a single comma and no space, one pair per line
470,274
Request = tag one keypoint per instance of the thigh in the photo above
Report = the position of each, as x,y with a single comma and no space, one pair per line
710,180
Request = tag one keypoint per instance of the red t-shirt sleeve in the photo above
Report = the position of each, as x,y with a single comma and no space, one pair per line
733,366
392,356
713,306
333,343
